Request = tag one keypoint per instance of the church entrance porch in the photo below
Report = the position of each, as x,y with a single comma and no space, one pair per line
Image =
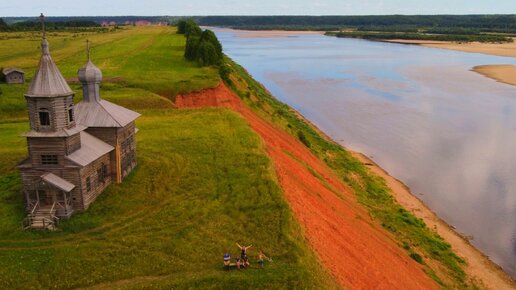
48,200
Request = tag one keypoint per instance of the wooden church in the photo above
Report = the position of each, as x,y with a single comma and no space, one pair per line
75,150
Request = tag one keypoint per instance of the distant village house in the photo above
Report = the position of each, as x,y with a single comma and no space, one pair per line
14,75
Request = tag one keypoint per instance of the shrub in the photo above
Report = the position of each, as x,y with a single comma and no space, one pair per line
303,139
416,257
225,72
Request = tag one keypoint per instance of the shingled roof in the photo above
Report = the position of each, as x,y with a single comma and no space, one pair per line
93,111
9,70
103,114
48,81
91,150
57,182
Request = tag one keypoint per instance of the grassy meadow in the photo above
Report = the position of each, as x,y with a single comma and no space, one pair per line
203,182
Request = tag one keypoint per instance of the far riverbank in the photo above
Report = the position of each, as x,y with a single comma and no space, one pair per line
502,73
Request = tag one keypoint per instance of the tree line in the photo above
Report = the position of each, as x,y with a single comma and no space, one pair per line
202,46
483,23
422,36
50,26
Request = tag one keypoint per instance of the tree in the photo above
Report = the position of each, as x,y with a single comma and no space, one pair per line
181,26
207,54
191,28
192,44
210,37
201,46
3,25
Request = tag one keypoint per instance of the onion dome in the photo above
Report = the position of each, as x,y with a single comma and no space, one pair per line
90,74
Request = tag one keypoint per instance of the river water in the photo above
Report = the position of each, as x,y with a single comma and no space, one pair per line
420,113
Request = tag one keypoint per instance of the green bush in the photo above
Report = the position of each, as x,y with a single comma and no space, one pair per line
303,139
416,257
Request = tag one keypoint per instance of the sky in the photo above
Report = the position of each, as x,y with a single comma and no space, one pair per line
252,7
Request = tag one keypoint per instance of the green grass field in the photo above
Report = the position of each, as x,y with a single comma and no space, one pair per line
146,58
203,183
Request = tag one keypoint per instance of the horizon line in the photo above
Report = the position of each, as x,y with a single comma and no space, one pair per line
272,15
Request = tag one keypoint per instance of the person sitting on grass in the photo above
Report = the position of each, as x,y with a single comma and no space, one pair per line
227,260
261,257
237,263
245,262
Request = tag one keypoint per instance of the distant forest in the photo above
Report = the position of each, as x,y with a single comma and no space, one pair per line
483,23
485,28
465,23
35,24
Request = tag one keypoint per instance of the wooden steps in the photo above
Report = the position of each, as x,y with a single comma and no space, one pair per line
43,218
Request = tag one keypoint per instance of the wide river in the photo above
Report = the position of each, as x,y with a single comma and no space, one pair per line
420,113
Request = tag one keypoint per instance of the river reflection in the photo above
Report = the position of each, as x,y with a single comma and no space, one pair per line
447,132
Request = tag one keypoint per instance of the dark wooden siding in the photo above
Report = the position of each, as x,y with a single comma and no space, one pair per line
96,187
107,135
46,146
127,140
73,143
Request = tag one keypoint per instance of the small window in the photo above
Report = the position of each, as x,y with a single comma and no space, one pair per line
44,117
70,115
88,183
102,173
49,159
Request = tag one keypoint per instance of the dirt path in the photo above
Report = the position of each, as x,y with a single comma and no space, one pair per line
357,253
479,267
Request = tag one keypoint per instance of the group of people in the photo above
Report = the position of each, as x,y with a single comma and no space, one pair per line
243,260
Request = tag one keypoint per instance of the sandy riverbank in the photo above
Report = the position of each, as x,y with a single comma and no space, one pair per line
500,49
503,73
266,33
478,267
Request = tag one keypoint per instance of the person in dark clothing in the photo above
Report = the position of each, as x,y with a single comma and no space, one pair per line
243,255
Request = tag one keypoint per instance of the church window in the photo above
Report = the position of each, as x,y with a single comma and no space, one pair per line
49,159
88,183
70,114
44,117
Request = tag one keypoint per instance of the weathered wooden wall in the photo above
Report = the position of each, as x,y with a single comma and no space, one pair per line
15,78
58,109
96,187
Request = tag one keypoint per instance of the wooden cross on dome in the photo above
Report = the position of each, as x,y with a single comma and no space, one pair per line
88,48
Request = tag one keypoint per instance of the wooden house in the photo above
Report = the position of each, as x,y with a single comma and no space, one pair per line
75,151
14,75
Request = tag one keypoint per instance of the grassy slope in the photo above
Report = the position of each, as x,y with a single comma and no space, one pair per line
203,183
420,242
